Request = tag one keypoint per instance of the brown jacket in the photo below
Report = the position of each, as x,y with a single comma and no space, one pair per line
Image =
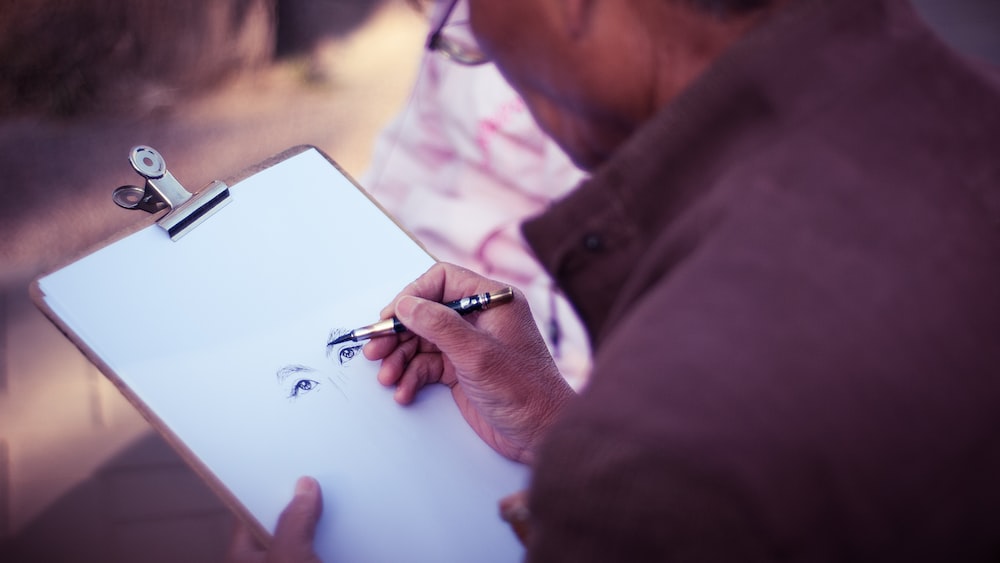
791,278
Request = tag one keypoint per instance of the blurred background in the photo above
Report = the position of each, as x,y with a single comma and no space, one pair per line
214,85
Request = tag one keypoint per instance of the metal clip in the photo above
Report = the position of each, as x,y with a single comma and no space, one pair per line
162,190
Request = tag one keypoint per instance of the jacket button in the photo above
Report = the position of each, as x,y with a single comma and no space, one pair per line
593,242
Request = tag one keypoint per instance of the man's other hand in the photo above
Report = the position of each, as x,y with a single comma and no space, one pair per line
293,537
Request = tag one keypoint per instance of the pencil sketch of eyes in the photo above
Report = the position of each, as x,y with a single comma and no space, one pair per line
297,376
343,352
303,386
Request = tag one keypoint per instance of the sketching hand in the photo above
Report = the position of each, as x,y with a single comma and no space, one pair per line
500,372
293,537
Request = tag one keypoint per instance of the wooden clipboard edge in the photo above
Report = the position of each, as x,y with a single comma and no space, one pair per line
214,483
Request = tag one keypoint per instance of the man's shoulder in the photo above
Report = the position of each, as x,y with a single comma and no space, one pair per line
724,386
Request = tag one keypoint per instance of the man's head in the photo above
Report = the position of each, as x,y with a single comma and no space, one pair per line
592,71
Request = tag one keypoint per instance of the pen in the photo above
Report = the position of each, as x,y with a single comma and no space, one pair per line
462,306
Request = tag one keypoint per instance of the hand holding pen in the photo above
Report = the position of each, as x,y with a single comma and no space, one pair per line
497,366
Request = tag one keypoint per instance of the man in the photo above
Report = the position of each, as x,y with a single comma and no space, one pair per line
788,263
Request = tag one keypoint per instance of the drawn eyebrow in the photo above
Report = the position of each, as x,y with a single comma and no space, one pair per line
288,371
345,351
339,348
334,333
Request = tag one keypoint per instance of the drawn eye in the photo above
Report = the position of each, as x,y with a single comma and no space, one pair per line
302,387
348,353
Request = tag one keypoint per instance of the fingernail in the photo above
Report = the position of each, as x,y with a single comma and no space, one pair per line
306,486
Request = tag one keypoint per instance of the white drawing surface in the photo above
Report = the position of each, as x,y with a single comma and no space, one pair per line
224,335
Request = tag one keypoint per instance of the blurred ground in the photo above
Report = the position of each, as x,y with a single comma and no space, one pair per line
56,173
82,477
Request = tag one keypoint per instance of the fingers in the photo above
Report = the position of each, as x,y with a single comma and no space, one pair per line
445,328
496,363
409,371
441,283
395,358
514,511
296,529
421,371
380,348
293,536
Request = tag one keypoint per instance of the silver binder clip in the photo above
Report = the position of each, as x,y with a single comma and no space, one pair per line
162,190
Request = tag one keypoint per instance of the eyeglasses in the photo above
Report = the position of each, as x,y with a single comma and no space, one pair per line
452,37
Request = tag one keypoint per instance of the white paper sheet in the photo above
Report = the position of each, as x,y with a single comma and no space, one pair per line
223,336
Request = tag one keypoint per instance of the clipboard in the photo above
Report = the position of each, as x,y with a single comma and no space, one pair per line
213,317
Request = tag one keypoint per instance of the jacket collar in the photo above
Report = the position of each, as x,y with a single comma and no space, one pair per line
805,57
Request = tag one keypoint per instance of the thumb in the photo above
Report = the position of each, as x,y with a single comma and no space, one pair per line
434,322
296,529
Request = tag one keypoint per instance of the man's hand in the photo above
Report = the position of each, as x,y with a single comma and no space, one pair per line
495,361
514,510
293,537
